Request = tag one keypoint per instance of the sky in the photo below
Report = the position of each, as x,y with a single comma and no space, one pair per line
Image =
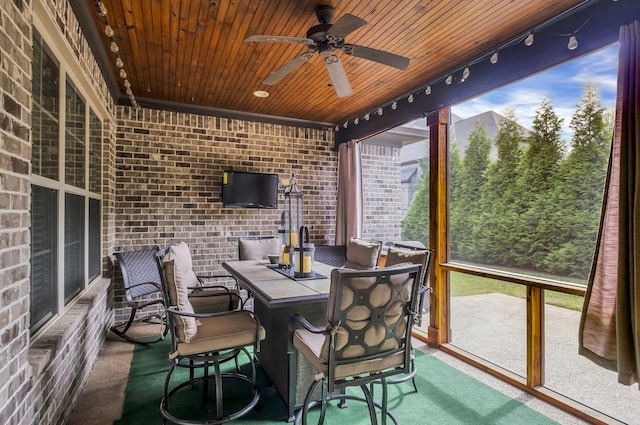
563,85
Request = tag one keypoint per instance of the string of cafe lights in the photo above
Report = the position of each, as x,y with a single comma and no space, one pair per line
527,38
115,49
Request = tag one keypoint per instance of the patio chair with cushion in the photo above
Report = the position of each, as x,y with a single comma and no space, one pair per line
367,337
197,285
205,341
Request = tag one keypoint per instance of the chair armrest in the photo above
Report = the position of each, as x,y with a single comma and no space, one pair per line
156,284
174,310
424,289
296,319
202,277
202,292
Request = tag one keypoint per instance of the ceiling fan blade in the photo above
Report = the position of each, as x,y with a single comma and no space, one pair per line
285,69
281,39
344,26
338,76
376,55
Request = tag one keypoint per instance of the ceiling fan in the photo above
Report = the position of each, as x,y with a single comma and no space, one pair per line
326,38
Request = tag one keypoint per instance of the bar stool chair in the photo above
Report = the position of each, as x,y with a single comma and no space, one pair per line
206,341
367,337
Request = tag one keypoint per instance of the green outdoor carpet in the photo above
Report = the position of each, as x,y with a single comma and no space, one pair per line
445,396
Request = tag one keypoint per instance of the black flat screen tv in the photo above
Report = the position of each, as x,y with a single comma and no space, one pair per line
242,189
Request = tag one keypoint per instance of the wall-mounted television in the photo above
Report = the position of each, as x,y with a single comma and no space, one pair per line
243,189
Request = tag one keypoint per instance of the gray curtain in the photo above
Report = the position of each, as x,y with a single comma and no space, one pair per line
349,214
610,322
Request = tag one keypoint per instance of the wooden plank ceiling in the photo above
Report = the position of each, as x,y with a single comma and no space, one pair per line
192,51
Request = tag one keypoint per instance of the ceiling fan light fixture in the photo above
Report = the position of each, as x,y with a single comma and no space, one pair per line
261,93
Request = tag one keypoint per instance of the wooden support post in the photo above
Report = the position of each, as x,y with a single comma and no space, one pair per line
438,123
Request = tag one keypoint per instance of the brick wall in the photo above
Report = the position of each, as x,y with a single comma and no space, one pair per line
382,203
39,379
169,168
15,156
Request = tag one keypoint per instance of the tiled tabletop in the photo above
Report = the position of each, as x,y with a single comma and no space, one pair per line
276,289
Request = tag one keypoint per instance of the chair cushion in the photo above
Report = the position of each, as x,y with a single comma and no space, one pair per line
223,332
203,302
396,256
183,266
362,255
310,345
185,326
258,249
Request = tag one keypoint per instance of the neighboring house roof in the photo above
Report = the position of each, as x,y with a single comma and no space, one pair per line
414,152
490,120
408,174
461,129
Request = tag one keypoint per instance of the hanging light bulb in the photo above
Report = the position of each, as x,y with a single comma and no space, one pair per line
119,63
529,40
410,98
108,31
380,111
356,121
123,74
449,80
127,84
346,124
114,47
102,11
465,74
367,116
337,128
494,58
427,90
128,91
394,105
573,43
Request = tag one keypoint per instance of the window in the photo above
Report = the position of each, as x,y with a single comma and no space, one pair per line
526,172
66,187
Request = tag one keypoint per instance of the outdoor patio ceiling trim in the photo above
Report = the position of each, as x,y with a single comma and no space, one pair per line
516,62
94,39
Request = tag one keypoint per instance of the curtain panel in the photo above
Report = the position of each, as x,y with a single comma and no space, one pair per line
610,322
349,214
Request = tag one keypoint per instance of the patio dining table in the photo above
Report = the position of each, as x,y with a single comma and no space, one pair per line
276,297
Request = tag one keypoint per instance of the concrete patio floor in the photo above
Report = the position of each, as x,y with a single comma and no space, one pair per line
493,326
